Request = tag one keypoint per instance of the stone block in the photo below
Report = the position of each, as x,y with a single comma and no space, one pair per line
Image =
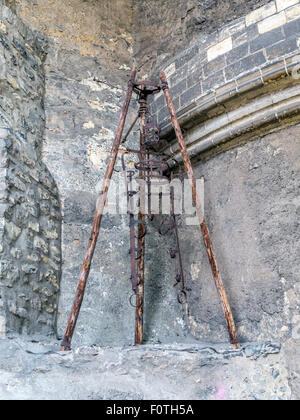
176,103
281,48
170,70
215,80
12,231
219,49
266,40
19,312
237,53
237,25
292,28
194,77
45,207
35,226
190,94
50,262
178,89
261,13
186,57
51,234
16,183
31,209
39,243
284,4
245,65
163,113
33,257
20,48
3,70
159,101
293,13
4,268
16,253
211,67
29,269
272,22
180,74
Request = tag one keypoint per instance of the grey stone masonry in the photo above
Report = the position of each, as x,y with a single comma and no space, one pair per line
248,45
30,255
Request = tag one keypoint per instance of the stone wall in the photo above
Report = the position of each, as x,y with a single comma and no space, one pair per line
76,149
162,28
86,73
30,210
236,91
252,207
86,70
99,30
233,86
247,53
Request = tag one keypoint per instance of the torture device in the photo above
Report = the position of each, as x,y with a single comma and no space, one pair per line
152,167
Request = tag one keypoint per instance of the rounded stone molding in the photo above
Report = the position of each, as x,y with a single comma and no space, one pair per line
225,85
239,123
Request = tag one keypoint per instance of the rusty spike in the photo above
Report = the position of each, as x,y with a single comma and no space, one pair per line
204,229
66,343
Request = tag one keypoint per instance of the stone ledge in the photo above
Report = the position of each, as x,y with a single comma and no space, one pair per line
37,370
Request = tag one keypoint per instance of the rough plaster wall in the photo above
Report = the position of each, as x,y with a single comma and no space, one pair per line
163,29
30,215
252,208
86,71
95,28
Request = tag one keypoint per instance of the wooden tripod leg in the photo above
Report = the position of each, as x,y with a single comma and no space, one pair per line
204,229
66,343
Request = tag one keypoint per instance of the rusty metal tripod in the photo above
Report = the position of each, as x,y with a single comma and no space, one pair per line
144,89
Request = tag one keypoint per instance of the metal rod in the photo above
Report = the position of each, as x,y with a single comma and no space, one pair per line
66,343
204,229
139,314
182,296
173,215
128,175
134,277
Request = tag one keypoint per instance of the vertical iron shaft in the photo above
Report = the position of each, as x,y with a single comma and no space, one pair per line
66,343
139,315
134,277
204,229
